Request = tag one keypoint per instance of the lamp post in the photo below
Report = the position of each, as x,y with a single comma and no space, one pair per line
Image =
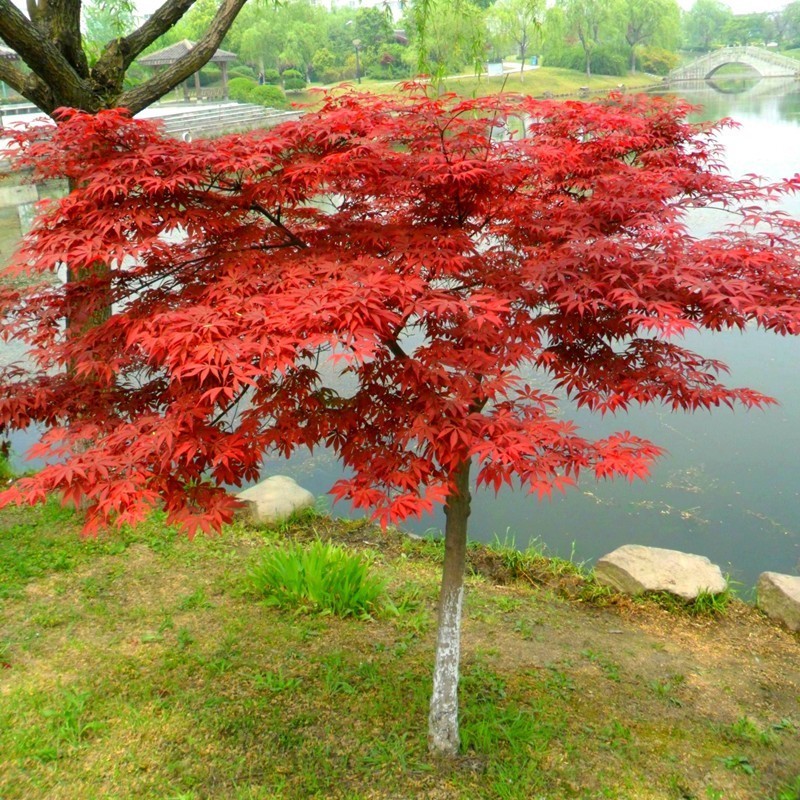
356,45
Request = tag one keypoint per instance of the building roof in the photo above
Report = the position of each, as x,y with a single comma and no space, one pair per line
169,55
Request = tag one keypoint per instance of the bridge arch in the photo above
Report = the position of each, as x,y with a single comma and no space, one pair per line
765,62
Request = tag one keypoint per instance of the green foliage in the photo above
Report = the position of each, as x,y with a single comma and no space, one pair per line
272,76
293,80
704,605
707,604
656,60
790,791
744,730
268,95
605,60
241,88
741,763
242,71
321,578
705,23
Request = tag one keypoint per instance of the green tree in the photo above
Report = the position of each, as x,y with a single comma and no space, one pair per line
705,23
303,40
787,24
103,21
649,22
518,22
587,21
447,36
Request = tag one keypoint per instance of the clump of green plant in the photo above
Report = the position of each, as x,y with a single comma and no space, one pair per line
746,730
791,791
321,578
706,604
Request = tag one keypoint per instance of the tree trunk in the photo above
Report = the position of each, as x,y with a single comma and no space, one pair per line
443,736
633,59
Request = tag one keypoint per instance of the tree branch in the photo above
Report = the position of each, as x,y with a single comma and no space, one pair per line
142,96
125,49
46,61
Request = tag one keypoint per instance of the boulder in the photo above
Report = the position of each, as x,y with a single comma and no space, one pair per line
779,598
633,569
274,499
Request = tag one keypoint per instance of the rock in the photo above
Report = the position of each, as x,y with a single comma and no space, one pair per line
274,499
779,598
633,569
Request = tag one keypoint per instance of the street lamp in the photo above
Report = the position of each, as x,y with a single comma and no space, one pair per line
356,45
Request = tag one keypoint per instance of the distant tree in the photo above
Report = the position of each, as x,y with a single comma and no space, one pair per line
303,41
788,24
518,22
101,22
586,20
392,324
748,29
446,35
50,43
705,24
649,22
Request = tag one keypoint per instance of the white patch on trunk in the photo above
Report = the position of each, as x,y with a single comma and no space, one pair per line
443,717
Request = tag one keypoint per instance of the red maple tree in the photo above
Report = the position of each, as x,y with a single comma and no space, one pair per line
374,278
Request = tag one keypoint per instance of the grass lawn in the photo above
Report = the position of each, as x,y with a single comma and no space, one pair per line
558,82
141,666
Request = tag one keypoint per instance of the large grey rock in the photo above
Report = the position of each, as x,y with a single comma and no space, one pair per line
274,499
634,568
779,598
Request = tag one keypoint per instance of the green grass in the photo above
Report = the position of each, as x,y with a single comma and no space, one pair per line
540,82
319,578
136,666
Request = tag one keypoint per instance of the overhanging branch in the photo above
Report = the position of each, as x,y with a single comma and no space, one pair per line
42,56
142,96
129,47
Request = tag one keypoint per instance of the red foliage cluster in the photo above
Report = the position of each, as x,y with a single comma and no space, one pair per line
375,278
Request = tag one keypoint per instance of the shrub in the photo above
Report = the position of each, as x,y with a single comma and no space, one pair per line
605,60
242,71
321,578
268,95
656,60
241,88
272,76
293,80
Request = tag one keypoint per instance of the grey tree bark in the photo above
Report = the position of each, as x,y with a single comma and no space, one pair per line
443,736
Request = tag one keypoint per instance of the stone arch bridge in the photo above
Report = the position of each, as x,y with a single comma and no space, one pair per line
763,61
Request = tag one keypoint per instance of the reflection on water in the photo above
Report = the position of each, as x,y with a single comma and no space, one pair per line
729,487
731,85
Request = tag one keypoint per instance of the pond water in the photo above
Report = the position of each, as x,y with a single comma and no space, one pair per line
729,486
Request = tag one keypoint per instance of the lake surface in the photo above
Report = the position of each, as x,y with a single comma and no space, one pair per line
729,487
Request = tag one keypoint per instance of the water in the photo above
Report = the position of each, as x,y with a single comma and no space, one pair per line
729,487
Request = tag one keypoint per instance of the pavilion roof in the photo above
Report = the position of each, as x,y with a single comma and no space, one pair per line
169,55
